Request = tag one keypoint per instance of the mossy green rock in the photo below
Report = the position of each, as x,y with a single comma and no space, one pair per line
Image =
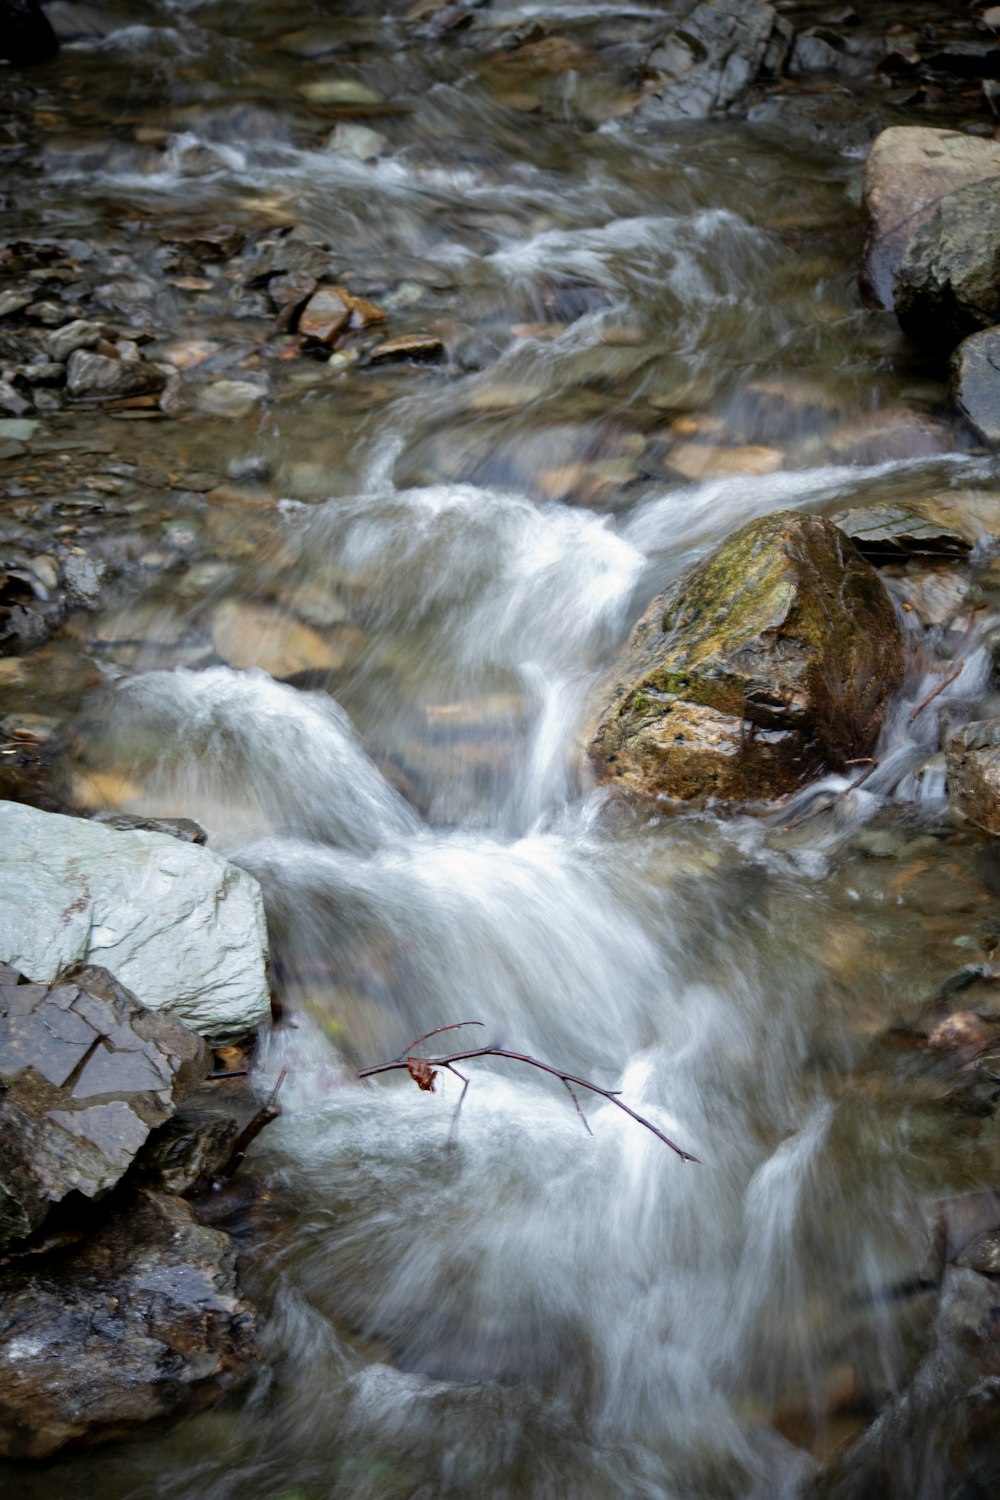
768,663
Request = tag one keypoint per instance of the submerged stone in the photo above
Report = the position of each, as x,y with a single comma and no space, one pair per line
769,662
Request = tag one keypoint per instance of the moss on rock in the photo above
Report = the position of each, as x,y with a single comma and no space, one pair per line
769,662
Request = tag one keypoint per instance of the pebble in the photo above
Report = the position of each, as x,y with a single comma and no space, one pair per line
357,141
230,398
338,91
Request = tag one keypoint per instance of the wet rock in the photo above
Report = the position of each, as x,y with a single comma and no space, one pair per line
770,661
708,64
87,1074
80,334
424,348
938,1438
182,928
187,1153
324,316
12,402
936,596
96,377
185,829
702,461
280,256
219,242
947,283
976,383
139,1322
983,1255
339,91
974,773
909,170
257,635
893,433
289,292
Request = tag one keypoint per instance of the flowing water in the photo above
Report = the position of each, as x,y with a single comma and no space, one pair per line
653,336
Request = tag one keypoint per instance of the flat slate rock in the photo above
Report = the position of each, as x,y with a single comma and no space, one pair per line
141,1321
886,533
87,1073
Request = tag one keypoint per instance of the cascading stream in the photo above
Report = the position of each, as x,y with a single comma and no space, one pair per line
507,1307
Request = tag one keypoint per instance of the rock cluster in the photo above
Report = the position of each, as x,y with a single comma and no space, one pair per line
116,1305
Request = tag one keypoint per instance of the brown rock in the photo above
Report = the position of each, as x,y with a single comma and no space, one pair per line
424,347
259,635
772,660
324,316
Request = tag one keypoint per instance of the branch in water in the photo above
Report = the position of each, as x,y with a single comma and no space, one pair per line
421,1070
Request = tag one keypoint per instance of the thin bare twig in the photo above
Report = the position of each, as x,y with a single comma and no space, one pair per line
455,1025
583,1118
569,1079
845,792
268,1112
938,688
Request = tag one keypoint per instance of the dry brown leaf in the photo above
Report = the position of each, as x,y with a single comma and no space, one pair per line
421,1072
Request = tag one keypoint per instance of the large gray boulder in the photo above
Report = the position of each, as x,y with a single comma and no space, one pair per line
85,1075
909,171
769,662
180,927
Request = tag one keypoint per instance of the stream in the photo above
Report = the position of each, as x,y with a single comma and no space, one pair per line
652,336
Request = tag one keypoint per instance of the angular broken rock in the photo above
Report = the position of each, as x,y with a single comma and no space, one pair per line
324,316
98,377
771,661
711,60
142,1321
87,1073
181,927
